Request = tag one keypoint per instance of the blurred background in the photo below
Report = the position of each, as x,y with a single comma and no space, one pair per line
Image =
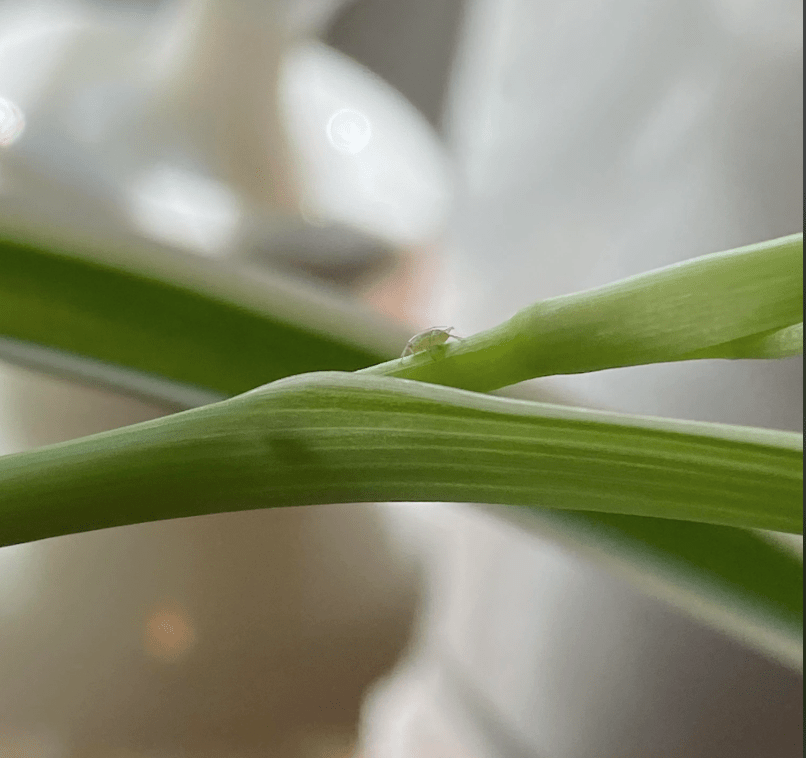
440,161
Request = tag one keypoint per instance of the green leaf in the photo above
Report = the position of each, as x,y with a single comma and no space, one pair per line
775,343
744,303
336,438
152,313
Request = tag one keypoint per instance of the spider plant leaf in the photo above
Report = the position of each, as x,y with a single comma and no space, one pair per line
743,303
173,326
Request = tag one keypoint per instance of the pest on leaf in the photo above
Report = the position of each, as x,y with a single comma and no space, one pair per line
428,339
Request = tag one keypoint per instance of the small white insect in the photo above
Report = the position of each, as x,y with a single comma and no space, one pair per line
428,339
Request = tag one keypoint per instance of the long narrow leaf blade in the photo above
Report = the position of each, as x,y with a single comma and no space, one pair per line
149,313
331,437
744,303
